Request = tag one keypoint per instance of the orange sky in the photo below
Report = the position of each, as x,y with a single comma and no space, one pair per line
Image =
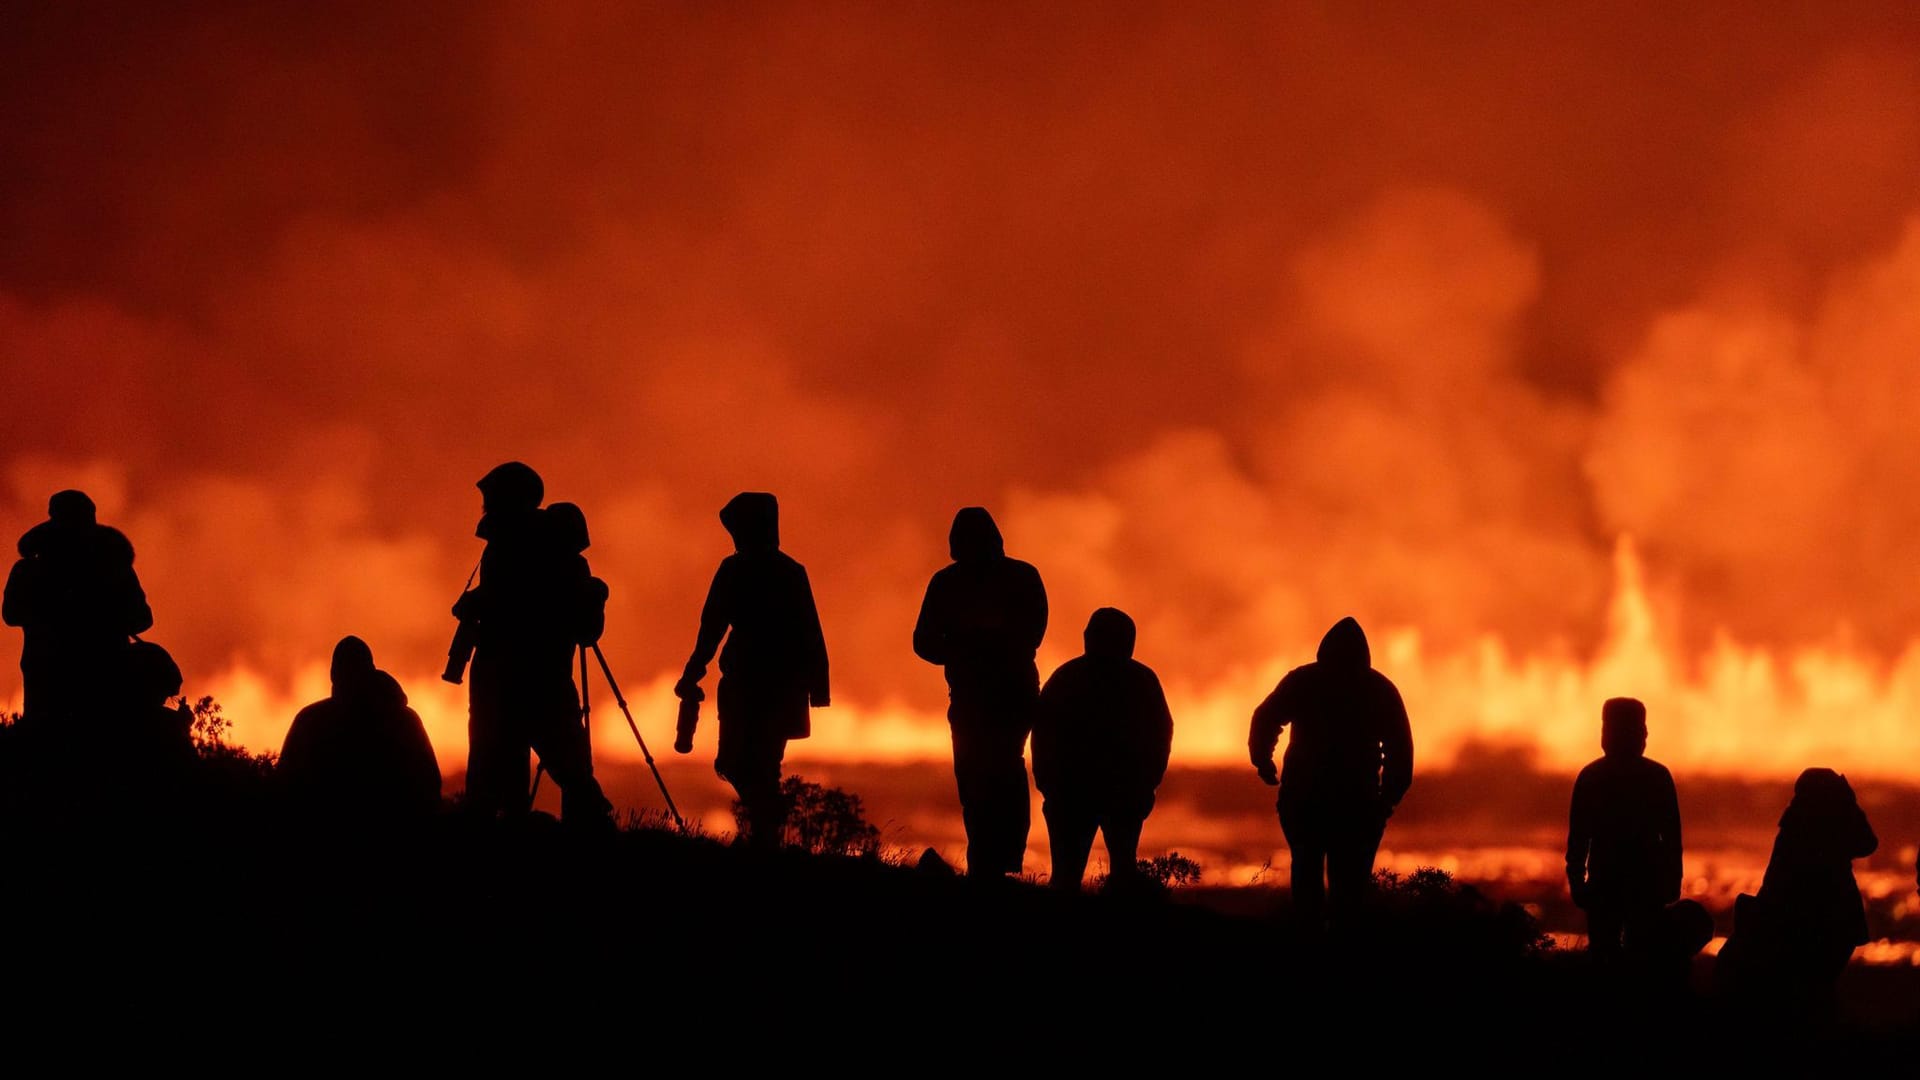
1459,319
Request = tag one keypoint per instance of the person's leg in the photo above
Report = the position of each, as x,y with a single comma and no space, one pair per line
1354,842
1120,827
970,772
496,752
1070,831
561,741
759,792
1012,805
1309,853
1605,931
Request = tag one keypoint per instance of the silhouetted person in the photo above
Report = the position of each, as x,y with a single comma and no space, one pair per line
774,666
361,756
982,620
1349,762
527,613
1623,835
75,595
156,736
1101,739
1791,941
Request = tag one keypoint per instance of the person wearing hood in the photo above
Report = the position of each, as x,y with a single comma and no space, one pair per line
982,620
525,615
1101,739
1349,762
1791,941
772,670
75,596
1623,837
360,756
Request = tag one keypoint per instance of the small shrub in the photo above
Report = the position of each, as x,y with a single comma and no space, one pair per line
1170,869
1428,911
823,820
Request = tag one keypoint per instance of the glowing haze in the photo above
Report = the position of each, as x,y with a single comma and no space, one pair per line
1572,350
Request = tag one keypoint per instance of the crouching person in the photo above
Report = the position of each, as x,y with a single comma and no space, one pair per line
360,757
1100,745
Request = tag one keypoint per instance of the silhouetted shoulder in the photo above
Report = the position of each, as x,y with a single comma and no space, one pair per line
1068,672
944,575
309,716
114,543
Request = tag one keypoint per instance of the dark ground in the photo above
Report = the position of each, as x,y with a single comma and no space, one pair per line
535,940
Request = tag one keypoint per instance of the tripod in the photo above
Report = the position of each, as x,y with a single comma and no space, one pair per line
586,720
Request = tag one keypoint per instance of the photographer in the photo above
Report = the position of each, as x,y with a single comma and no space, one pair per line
524,619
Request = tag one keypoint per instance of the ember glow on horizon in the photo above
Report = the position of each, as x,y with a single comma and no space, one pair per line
1570,350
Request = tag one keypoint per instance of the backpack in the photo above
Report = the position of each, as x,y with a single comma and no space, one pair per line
590,612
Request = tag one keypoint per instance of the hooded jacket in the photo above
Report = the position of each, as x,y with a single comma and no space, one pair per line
985,614
1351,740
361,753
761,603
75,581
1809,887
1103,732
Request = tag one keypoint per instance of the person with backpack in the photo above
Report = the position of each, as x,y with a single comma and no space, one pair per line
1792,939
772,670
535,603
78,602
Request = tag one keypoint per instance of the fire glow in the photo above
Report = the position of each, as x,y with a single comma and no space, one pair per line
1733,709
1573,356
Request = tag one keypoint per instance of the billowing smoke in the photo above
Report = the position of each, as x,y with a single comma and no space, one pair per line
1242,320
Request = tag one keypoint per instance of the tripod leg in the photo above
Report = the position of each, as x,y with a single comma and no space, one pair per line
621,700
538,772
586,704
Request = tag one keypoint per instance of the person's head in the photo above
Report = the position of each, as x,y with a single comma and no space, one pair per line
1110,633
1346,645
974,536
1623,727
511,487
352,665
569,526
152,676
71,508
752,518
1822,789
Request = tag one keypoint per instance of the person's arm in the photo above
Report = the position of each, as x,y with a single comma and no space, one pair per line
137,614
1579,839
1047,721
819,688
1863,842
421,761
1033,613
930,629
1670,829
1273,714
1396,748
296,750
715,617
17,607
1162,730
